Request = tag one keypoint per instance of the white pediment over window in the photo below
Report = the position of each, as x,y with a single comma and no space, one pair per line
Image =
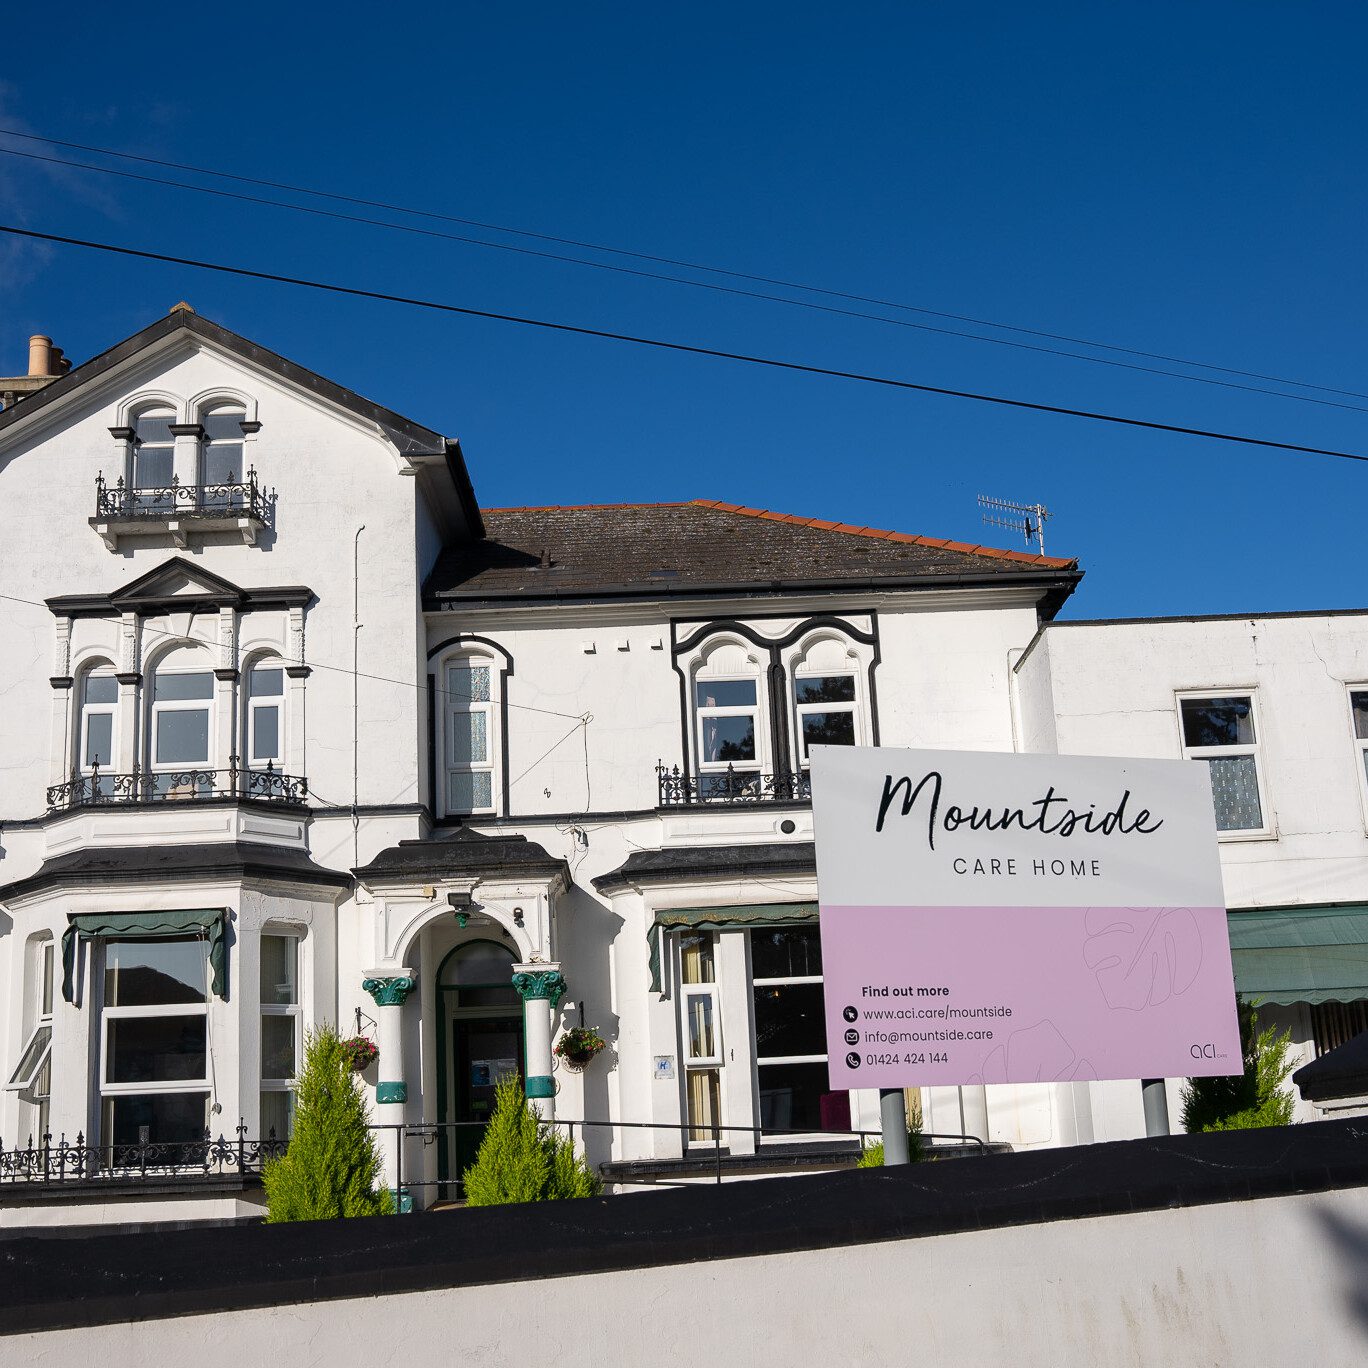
177,579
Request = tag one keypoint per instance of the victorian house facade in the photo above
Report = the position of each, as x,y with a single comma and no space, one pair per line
294,731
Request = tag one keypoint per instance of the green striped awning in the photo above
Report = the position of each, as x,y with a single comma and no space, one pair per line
1316,953
735,917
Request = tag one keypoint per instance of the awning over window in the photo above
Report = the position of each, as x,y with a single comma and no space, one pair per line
734,918
211,923
1301,954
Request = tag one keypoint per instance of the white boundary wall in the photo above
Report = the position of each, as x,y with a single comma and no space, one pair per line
1281,1280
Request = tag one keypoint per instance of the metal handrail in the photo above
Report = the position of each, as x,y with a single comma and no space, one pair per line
185,785
218,499
680,788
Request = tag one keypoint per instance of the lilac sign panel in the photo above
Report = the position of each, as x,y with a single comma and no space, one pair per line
996,918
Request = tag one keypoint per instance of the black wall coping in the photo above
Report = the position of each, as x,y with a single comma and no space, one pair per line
104,1279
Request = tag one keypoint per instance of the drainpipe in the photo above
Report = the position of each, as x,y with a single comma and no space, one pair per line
356,694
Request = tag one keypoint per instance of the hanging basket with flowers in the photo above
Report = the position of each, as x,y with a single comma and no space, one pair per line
361,1051
578,1046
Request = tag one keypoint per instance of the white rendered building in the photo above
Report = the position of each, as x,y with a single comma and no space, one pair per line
294,732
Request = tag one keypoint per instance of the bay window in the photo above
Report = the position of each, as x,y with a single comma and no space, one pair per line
154,1056
702,1029
469,724
266,714
96,722
182,704
280,1034
32,1076
1220,729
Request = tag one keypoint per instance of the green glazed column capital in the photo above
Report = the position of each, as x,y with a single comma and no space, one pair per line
389,992
546,985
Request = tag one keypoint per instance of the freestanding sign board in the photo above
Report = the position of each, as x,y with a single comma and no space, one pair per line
991,918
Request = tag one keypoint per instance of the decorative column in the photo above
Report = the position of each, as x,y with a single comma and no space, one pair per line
390,993
541,987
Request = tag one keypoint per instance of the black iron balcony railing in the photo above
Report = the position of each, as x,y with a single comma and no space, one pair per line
182,785
46,1161
118,502
678,788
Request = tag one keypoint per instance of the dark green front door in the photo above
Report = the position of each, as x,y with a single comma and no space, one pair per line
484,1050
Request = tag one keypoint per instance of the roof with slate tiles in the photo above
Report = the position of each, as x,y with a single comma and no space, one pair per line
592,551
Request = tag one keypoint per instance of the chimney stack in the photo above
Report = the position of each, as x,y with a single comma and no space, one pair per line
45,364
40,356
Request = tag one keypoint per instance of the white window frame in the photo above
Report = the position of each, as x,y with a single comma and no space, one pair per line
236,410
251,705
25,1084
757,1060
711,1063
1254,749
147,1088
151,410
454,706
85,711
754,711
801,710
293,1010
1360,746
155,711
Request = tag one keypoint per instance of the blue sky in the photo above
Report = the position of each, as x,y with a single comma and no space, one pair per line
1185,179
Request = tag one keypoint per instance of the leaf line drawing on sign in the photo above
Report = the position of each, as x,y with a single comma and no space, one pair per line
1142,956
1038,1054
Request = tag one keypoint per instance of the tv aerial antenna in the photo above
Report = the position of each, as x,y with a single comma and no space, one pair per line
1028,519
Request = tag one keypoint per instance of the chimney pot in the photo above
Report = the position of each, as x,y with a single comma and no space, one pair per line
40,355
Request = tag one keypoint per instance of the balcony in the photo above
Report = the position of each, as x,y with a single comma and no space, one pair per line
179,509
100,789
731,787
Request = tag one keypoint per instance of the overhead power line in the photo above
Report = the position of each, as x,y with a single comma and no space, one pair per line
663,344
677,280
436,216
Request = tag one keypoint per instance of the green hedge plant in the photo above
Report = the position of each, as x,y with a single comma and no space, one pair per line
331,1167
521,1159
1256,1097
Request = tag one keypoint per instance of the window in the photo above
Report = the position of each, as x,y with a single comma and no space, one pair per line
826,711
95,724
1358,703
266,715
469,715
280,1034
790,1033
728,721
182,701
221,459
701,1028
1221,731
154,450
154,1068
1335,1023
32,1076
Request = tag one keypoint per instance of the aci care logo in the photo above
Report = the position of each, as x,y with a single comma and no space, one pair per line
1205,1051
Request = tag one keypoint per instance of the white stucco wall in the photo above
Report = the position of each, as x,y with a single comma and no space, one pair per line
1277,1280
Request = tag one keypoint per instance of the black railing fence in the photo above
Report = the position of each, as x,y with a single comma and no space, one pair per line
703,1142
679,788
229,498
46,1160
152,786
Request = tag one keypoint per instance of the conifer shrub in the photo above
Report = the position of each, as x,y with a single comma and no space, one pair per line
872,1156
1254,1098
521,1159
331,1167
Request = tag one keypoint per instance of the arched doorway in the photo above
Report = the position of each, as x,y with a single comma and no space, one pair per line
479,1041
